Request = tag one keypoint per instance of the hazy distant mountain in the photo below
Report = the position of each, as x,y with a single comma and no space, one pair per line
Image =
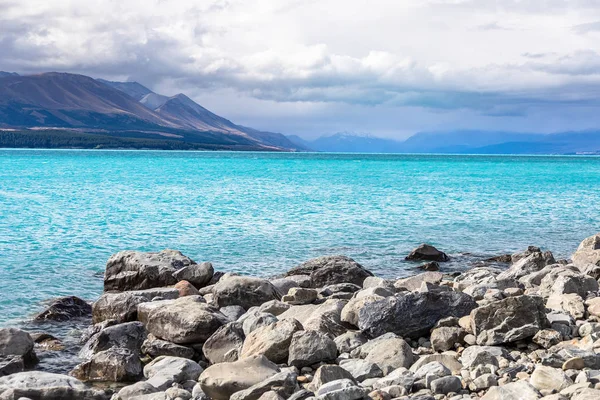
60,100
461,142
345,142
5,74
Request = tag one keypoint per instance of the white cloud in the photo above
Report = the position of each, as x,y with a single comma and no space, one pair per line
481,62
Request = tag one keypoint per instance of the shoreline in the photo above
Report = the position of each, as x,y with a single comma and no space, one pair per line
484,332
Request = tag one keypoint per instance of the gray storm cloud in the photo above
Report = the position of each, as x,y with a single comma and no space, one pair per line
291,65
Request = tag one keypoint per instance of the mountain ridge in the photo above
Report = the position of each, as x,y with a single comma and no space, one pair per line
61,100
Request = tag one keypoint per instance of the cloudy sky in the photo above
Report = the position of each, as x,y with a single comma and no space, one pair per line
313,67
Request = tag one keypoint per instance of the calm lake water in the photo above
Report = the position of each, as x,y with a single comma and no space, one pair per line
63,213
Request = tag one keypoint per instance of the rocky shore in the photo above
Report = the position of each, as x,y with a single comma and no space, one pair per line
167,327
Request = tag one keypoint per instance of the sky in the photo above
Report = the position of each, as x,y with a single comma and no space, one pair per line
313,67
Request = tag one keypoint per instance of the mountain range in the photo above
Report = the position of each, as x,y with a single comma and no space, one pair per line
69,110
460,142
121,109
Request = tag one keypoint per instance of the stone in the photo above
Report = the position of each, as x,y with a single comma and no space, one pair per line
275,307
433,369
445,385
430,266
273,341
233,313
570,303
163,371
398,377
283,285
282,383
225,344
447,360
186,289
329,373
349,341
65,309
343,389
40,385
137,389
588,252
482,355
185,320
198,275
134,270
587,394
129,335
520,390
483,382
323,317
311,347
15,345
428,253
351,310
298,296
578,284
534,262
254,320
547,338
414,314
330,270
391,354
577,363
446,338
244,291
123,307
414,283
548,379
508,320
113,365
155,347
220,381
361,369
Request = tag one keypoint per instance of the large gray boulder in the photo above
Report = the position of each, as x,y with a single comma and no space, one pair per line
325,317
508,320
123,306
220,381
243,291
391,354
272,341
534,262
330,270
16,351
426,252
112,365
129,335
225,344
413,314
283,383
311,347
64,309
588,252
185,320
164,371
520,390
134,270
198,275
155,347
329,373
40,385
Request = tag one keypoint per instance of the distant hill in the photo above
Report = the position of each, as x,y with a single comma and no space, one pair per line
461,142
5,74
60,100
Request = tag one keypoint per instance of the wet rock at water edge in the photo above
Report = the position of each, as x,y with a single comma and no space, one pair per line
64,309
426,252
331,270
134,270
243,291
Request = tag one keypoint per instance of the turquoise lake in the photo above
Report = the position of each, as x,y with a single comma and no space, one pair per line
64,212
